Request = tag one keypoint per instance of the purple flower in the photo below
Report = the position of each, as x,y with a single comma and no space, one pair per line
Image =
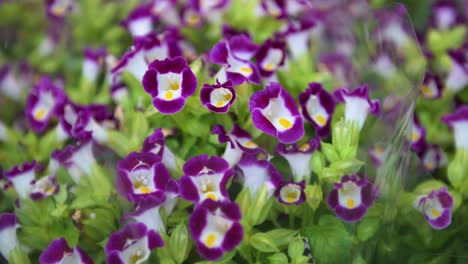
22,178
418,135
358,104
257,173
119,91
59,251
147,213
205,178
282,9
392,27
351,198
239,141
215,227
218,97
299,157
432,86
57,9
140,21
141,176
8,239
384,65
93,119
156,144
457,78
93,62
234,56
437,208
169,82
444,14
318,107
271,56
165,10
42,103
290,193
458,121
275,113
339,66
377,155
208,7
297,35
43,188
432,157
132,244
12,85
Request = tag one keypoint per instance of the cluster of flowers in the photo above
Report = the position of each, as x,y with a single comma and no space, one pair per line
153,179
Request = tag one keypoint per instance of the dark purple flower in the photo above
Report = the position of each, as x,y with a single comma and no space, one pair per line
432,86
156,144
444,14
147,213
275,113
8,239
339,66
119,91
13,85
22,178
93,63
140,21
218,97
297,35
377,155
351,198
132,244
205,178
169,82
166,11
358,104
437,208
392,26
384,65
418,135
57,9
43,188
93,119
271,56
207,7
215,227
42,103
59,251
291,193
457,78
299,157
141,176
458,121
432,157
318,107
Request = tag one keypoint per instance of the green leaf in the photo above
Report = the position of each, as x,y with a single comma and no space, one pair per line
18,256
278,258
330,153
179,243
347,166
281,237
296,249
368,227
263,243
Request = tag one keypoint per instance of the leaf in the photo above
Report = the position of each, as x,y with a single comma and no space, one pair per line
263,243
278,258
330,153
368,227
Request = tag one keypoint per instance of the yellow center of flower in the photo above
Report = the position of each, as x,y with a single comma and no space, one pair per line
414,136
274,12
174,86
250,144
321,120
138,185
50,190
426,91
193,20
304,147
435,213
269,66
350,203
291,197
226,98
169,95
246,70
211,196
379,150
137,257
210,240
58,11
145,189
40,114
285,123
430,165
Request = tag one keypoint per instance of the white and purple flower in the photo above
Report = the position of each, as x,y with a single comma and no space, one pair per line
147,213
318,107
94,120
432,157
12,85
457,78
444,14
205,178
297,35
140,21
156,144
43,103
8,238
351,198
57,9
340,66
43,188
270,57
437,208
377,155
218,97
357,104
291,193
59,251
418,135
141,176
275,113
215,227
169,82
93,63
22,178
432,86
132,244
458,121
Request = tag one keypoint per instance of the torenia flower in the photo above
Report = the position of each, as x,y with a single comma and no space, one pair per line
391,27
437,208
94,120
205,178
59,251
358,104
275,113
291,193
458,121
93,63
339,66
159,47
299,157
165,10
147,213
218,97
43,103
141,176
11,85
457,78
432,157
43,188
238,141
297,35
22,178
216,228
257,173
156,144
444,14
169,82
132,244
377,155
8,239
58,8
431,87
418,135
271,56
140,21
351,198
317,108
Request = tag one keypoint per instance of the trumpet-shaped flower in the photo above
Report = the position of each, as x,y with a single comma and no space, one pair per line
57,9
418,135
444,14
271,56
215,227
59,251
147,212
8,238
22,178
437,208
205,178
358,104
458,122
291,193
457,78
94,120
140,21
432,157
297,35
318,107
156,144
43,188
299,157
351,198
132,244
93,63
340,66
275,113
431,87
218,97
169,82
